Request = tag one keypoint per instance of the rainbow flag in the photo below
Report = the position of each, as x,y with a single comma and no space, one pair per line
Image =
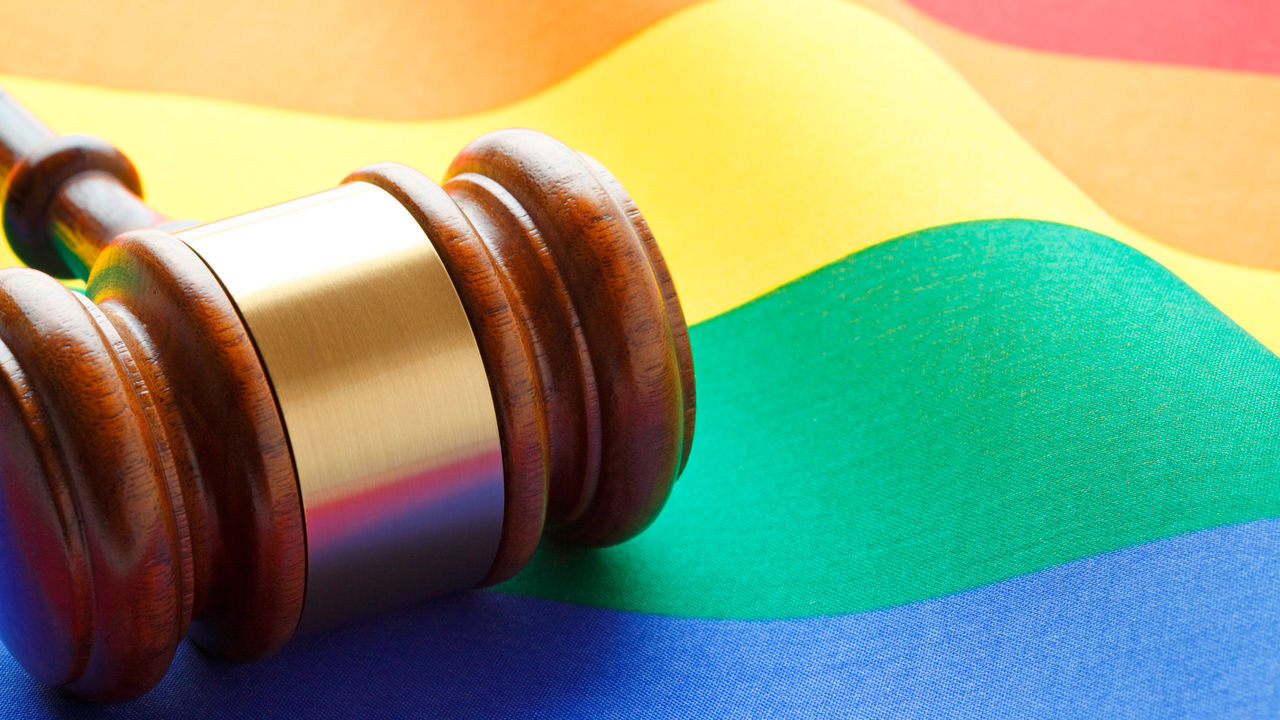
985,305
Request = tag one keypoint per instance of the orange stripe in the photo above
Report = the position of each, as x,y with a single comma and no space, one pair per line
1184,155
1187,155
387,59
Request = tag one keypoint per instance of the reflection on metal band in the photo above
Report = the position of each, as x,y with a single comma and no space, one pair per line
382,391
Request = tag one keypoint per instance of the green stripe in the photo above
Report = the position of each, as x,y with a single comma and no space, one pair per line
955,407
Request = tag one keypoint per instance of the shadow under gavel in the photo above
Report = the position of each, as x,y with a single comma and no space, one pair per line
378,393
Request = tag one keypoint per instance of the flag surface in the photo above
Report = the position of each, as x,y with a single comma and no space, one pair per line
985,310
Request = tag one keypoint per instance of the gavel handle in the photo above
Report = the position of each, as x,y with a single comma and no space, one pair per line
20,132
64,198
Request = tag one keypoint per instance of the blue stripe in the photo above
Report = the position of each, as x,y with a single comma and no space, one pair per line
1186,627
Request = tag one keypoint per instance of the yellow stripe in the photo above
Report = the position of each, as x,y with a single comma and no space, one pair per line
762,140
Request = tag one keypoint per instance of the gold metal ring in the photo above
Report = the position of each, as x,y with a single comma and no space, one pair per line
382,391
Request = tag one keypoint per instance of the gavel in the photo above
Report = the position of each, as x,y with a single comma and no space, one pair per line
346,402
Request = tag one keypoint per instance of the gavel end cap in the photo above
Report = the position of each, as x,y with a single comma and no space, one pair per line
44,608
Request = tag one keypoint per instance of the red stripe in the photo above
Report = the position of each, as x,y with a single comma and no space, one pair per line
1234,35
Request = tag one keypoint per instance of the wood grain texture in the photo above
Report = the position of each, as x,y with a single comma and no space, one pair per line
146,475
580,329
113,543
634,367
64,197
20,132
148,489
238,478
207,470
675,314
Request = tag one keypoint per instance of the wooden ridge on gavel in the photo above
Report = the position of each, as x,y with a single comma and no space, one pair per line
371,395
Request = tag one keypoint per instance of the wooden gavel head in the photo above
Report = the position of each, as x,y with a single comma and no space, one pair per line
360,398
